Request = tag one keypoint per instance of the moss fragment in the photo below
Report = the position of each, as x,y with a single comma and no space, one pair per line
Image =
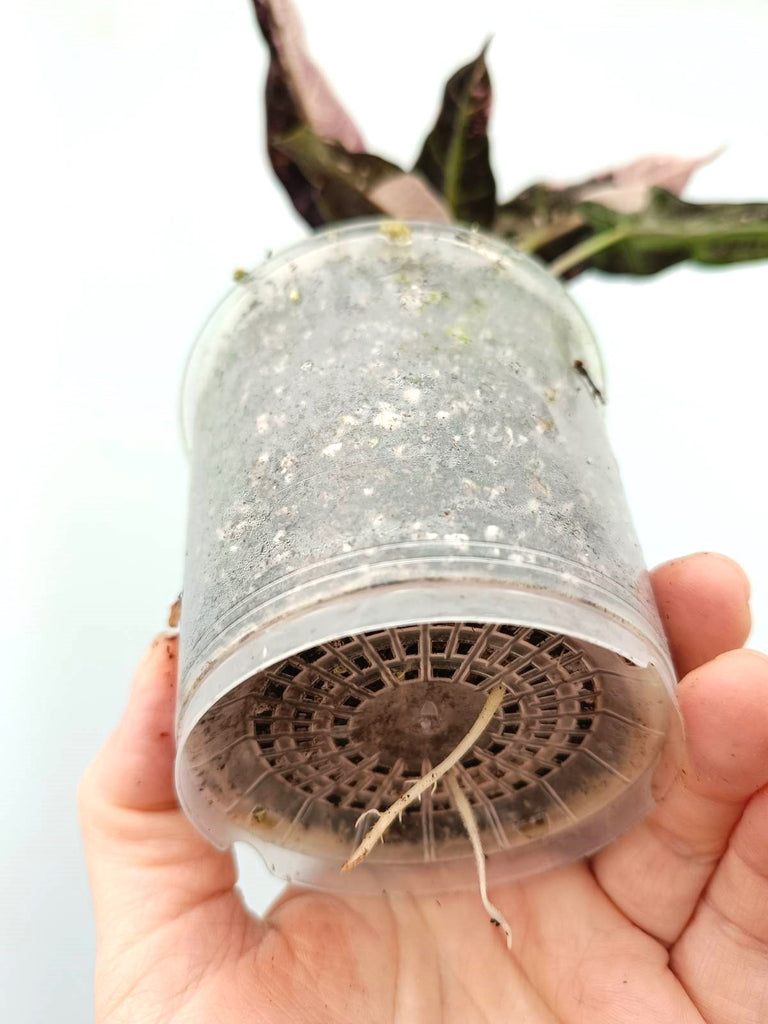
396,231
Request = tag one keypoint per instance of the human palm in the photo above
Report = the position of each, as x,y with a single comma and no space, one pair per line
667,924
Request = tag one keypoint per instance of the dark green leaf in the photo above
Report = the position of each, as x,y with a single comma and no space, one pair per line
339,185
315,149
297,96
455,157
670,230
542,219
546,218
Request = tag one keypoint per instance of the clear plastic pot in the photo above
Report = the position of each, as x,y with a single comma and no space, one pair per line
402,493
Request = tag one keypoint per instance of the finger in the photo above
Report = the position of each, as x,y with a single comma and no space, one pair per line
722,956
656,873
146,863
703,601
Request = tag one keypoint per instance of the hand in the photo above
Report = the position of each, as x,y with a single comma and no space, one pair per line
667,924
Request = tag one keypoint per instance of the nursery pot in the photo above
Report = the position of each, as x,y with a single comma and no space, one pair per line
402,494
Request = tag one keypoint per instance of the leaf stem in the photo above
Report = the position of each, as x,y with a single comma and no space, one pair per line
588,248
549,233
489,709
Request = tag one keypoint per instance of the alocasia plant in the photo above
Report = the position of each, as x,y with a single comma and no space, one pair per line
628,220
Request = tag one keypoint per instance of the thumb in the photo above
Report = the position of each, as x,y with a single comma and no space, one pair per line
146,863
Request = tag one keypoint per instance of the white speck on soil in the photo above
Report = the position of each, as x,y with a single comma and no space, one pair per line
346,548
412,395
367,491
278,537
442,414
331,449
262,423
492,533
307,365
412,299
387,418
515,442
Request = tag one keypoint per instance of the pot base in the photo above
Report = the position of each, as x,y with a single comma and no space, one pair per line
297,755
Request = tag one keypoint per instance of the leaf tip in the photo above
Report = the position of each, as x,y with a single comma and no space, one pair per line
486,45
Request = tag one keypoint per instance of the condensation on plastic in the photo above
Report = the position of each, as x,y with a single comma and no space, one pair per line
391,425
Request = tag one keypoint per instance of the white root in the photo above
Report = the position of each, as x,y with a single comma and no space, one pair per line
468,817
492,703
371,810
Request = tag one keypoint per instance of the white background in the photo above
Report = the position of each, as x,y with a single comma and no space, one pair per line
135,181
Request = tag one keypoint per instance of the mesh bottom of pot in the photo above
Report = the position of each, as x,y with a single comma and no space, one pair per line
298,753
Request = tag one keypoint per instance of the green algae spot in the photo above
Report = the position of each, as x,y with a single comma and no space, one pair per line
459,334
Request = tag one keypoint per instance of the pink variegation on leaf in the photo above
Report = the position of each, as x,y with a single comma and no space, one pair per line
314,145
627,189
293,72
